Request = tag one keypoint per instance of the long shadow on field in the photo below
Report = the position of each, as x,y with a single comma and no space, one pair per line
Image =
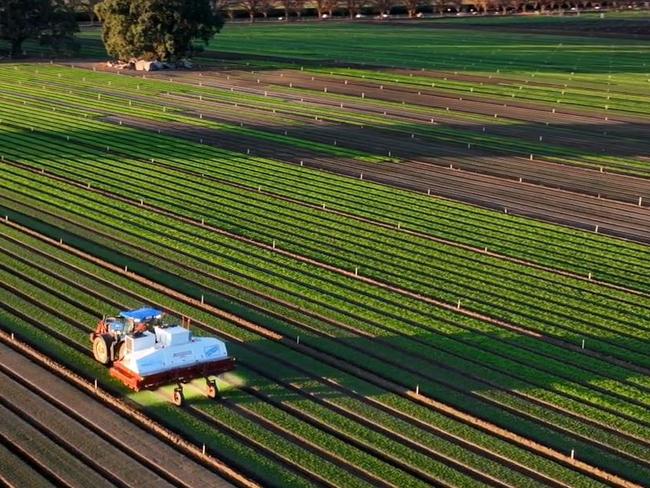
91,49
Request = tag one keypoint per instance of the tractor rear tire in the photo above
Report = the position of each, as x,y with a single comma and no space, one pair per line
101,350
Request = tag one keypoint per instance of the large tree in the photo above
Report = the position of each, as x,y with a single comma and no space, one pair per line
157,29
51,22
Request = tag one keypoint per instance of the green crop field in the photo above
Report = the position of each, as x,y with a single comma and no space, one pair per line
425,243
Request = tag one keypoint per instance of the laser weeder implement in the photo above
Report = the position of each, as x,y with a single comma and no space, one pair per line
146,348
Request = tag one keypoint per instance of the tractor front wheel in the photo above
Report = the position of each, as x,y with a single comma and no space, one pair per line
101,349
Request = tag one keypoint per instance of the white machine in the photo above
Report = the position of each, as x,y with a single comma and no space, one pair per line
145,352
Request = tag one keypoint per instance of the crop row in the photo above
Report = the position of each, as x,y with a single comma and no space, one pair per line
493,53
259,361
272,441
457,347
637,104
108,103
504,145
323,224
245,356
271,272
117,102
284,366
521,241
536,86
139,85
209,199
331,237
229,448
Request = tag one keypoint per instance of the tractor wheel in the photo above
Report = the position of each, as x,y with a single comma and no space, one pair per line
120,350
101,349
213,390
178,398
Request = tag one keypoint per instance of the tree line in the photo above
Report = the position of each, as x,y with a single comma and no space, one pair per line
328,8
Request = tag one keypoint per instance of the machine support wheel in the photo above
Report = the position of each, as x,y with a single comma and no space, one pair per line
213,389
178,398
